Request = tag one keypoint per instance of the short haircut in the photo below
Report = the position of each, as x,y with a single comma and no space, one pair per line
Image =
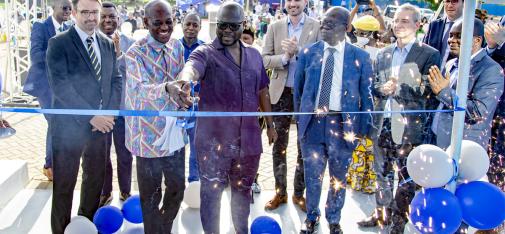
250,31
415,12
193,14
75,2
109,5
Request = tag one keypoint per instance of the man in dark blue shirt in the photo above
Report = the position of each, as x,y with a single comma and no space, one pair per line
191,25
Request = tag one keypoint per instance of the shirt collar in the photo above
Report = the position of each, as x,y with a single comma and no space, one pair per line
407,47
447,20
156,45
197,43
473,58
339,47
83,35
56,24
301,23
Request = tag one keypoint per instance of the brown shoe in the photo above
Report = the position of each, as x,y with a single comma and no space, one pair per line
300,202
48,172
276,202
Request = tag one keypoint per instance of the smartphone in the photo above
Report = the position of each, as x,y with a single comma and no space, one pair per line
363,2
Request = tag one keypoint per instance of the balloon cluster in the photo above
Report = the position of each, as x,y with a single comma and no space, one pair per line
436,210
108,219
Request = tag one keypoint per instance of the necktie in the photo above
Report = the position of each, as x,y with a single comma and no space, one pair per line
61,28
445,39
454,78
94,60
324,95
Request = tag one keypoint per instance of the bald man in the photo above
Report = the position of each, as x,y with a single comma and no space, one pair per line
232,78
153,64
331,76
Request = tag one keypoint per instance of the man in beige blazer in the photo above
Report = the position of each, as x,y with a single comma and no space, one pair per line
284,39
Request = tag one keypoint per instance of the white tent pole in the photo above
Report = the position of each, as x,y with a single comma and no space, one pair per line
458,123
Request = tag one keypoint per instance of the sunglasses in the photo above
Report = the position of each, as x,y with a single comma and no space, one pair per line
66,8
232,26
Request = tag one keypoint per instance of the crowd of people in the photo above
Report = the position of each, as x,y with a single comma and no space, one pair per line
337,65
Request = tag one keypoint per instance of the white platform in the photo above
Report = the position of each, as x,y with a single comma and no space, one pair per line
13,178
29,212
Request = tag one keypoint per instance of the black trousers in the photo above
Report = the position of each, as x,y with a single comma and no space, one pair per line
150,172
387,154
279,151
124,160
69,146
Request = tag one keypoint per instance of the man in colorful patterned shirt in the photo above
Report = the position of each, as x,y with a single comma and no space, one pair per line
153,63
232,79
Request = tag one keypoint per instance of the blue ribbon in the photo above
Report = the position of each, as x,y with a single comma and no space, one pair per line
187,114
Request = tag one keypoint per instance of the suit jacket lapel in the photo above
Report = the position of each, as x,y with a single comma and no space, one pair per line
318,55
284,30
387,61
305,31
414,52
50,27
349,60
80,47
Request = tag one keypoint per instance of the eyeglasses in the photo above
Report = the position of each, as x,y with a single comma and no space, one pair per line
232,26
87,14
66,8
329,24
451,1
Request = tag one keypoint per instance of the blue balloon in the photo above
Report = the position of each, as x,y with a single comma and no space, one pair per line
265,225
435,210
482,203
132,211
108,219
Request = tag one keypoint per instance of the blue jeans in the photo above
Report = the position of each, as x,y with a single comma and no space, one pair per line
333,150
194,175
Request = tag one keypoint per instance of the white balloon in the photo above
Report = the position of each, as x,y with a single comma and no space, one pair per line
430,166
473,161
80,225
192,195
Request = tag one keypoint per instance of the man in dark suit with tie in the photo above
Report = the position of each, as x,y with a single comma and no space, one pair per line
400,83
331,76
83,74
37,84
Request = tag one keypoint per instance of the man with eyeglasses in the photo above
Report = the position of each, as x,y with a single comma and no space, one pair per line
153,64
437,37
283,40
400,84
37,83
485,87
83,74
331,76
232,79
109,19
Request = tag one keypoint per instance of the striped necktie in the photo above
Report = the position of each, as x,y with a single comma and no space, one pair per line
94,60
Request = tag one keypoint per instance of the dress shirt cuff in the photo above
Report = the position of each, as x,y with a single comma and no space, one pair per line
446,96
